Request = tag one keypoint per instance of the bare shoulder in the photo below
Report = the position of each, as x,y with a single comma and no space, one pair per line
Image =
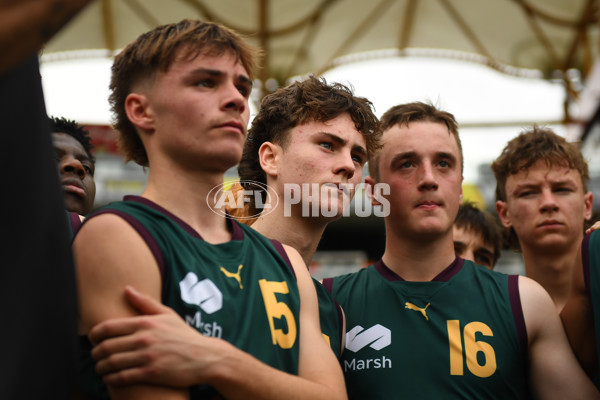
532,291
538,307
109,255
300,268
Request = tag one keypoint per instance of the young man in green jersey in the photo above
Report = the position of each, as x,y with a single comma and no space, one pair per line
326,132
424,323
180,95
308,144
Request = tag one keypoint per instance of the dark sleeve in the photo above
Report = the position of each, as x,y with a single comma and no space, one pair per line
38,338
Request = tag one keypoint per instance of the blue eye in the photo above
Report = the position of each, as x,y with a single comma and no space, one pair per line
326,145
358,159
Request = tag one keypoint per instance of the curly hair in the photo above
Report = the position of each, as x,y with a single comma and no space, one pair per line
312,99
72,128
404,114
530,146
533,145
156,51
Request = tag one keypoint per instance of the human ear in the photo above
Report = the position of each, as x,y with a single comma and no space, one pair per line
139,112
502,211
589,203
268,156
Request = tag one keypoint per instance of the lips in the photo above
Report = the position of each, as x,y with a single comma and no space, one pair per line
234,125
428,204
72,186
342,187
551,223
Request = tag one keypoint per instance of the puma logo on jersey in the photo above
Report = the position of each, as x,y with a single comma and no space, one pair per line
236,275
423,311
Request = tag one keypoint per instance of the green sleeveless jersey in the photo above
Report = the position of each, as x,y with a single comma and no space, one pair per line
330,317
590,256
242,291
460,336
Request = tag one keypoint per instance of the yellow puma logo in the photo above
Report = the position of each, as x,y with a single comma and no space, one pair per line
236,275
423,311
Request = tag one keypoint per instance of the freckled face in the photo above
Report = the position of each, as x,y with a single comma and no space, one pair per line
329,154
546,206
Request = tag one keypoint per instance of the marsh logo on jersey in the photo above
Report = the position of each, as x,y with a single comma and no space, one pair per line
206,295
376,337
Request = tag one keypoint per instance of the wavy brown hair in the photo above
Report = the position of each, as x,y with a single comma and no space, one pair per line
299,103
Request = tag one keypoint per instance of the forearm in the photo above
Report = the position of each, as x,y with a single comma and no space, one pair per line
26,25
238,375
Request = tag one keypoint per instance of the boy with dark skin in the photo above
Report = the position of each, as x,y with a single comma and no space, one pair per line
76,164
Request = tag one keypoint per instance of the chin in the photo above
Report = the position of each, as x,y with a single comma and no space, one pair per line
334,209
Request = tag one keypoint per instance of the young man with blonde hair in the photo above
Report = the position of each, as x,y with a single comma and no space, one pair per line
424,323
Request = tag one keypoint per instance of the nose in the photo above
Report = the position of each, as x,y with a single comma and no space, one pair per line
233,99
548,202
345,165
427,178
71,165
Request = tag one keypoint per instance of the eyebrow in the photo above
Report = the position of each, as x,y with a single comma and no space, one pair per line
411,154
218,73
343,142
401,156
485,251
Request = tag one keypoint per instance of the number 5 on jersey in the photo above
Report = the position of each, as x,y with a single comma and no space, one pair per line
278,309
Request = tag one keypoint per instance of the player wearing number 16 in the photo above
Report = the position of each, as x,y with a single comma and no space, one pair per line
425,324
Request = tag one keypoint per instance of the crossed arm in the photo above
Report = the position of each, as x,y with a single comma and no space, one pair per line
159,355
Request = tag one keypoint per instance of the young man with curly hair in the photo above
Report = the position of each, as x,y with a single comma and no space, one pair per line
543,202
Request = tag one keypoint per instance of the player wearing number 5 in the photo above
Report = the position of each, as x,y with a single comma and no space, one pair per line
424,323
180,95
